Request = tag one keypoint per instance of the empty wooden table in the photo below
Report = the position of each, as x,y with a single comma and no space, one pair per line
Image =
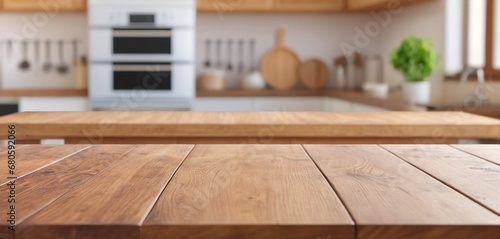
253,191
251,127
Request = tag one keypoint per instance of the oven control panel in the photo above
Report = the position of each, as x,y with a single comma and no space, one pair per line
172,17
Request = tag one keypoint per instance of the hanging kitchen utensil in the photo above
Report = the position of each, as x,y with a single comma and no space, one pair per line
254,79
47,66
208,44
340,64
80,73
229,55
314,74
241,56
37,51
75,51
62,68
9,48
281,66
25,65
252,56
218,49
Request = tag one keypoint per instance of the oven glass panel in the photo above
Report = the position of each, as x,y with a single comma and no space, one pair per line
142,41
142,77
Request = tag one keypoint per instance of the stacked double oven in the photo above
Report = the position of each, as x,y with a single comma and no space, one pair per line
142,54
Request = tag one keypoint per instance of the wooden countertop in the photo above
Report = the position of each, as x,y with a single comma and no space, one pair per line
393,101
249,125
255,191
44,93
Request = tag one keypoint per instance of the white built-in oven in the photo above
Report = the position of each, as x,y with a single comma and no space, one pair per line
142,48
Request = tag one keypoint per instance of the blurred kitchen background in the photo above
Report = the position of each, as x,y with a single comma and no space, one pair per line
214,55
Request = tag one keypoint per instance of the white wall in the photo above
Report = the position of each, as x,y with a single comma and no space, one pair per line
424,20
39,26
310,35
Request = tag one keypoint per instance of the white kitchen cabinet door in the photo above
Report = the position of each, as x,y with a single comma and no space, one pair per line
53,104
223,104
366,108
336,105
290,104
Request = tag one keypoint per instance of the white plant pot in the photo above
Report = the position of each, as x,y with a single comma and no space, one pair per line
417,92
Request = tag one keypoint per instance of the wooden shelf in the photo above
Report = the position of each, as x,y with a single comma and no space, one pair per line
44,93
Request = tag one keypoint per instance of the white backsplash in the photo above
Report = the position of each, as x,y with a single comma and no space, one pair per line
19,26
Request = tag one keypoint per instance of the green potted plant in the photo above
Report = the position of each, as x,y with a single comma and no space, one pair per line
417,59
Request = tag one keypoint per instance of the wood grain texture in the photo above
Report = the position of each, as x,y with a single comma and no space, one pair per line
314,74
280,67
388,198
114,203
490,153
42,187
248,191
30,159
94,126
472,176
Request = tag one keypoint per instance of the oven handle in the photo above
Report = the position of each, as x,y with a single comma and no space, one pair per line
146,68
142,33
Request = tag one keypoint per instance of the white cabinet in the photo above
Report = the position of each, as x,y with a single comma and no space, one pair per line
366,108
289,104
250,104
336,105
228,104
53,104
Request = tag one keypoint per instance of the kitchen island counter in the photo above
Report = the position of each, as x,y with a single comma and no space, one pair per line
251,127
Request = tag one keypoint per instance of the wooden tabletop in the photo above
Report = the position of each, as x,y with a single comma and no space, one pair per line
254,191
250,127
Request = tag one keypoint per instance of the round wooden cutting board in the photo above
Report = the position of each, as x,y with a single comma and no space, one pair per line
314,74
281,66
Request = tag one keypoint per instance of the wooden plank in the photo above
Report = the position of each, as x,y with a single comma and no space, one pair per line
30,158
388,198
114,203
44,93
248,191
488,152
42,187
97,125
472,176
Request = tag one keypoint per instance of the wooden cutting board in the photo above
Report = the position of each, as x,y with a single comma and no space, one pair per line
281,66
314,74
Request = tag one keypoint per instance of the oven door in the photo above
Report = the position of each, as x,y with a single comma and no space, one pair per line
142,44
151,80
